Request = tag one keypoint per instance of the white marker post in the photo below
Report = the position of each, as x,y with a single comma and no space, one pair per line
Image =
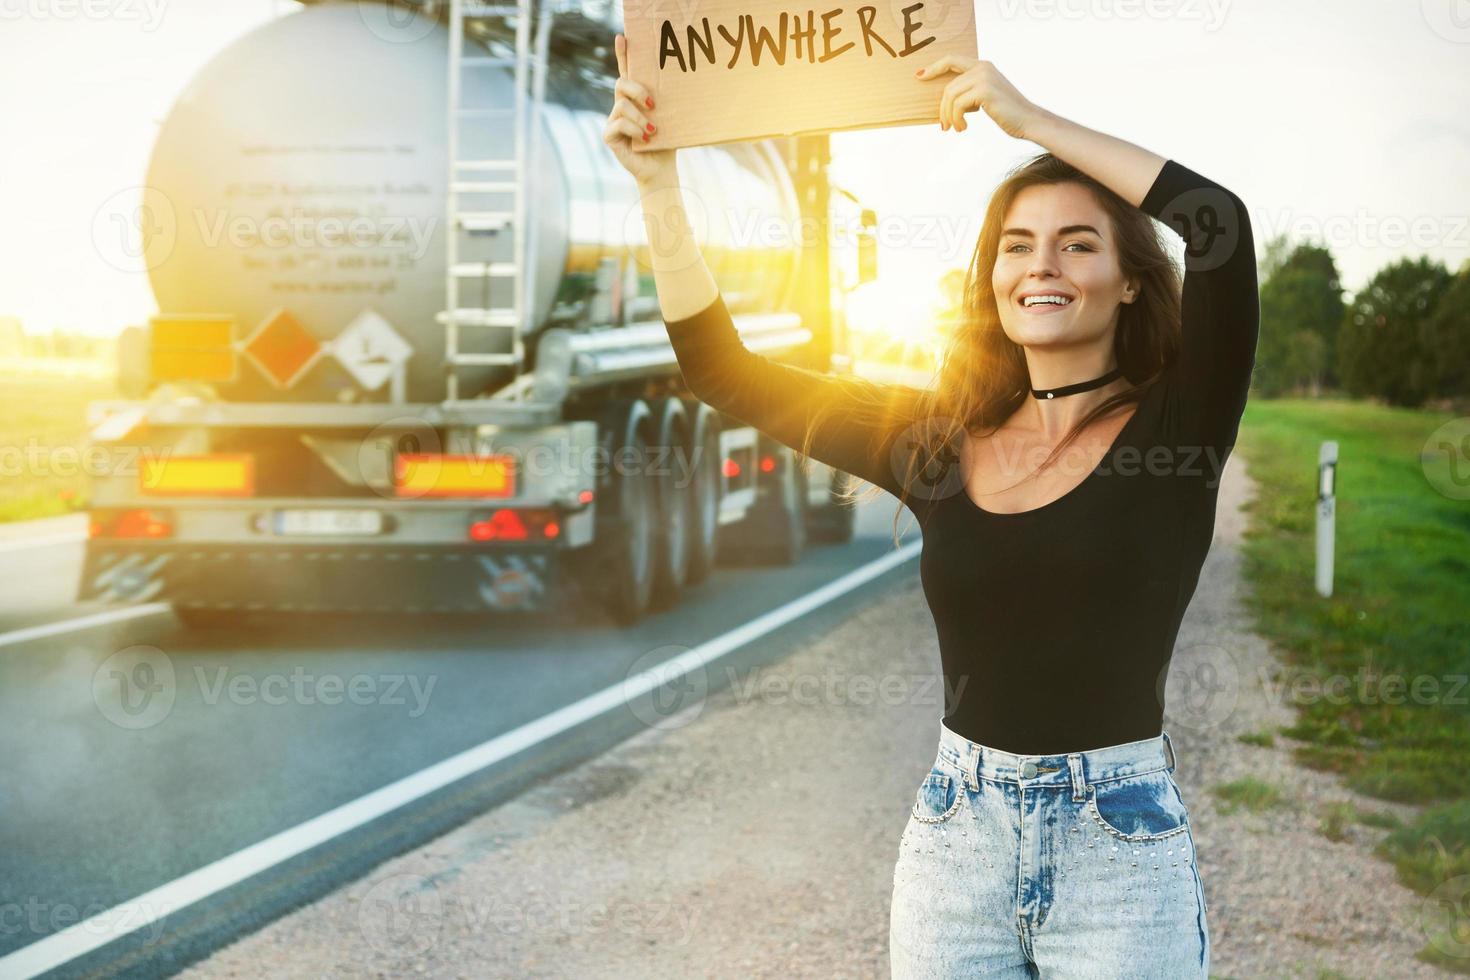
1326,514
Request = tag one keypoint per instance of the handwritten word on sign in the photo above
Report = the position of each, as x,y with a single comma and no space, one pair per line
728,70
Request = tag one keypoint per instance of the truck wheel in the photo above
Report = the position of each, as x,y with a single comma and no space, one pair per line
674,505
704,509
791,520
628,586
834,523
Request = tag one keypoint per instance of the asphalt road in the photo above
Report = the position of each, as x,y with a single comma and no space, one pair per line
137,752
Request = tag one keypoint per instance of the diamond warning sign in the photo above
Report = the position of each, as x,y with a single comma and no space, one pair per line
282,348
370,349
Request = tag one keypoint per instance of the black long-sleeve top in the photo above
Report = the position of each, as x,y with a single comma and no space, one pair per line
1056,625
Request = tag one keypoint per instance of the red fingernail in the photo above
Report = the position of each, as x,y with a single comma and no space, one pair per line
645,137
648,102
650,127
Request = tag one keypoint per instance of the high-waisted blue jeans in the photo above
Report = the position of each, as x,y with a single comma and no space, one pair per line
1071,866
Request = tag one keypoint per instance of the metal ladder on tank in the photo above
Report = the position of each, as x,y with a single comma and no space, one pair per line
468,177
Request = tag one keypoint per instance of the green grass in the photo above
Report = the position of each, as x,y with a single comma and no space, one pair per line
1264,739
1249,793
1378,671
43,470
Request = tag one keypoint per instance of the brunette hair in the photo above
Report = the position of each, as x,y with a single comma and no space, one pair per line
982,378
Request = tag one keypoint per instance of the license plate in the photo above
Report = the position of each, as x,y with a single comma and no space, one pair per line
354,521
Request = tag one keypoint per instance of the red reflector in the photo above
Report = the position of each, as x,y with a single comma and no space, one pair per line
585,497
732,468
551,530
142,524
768,463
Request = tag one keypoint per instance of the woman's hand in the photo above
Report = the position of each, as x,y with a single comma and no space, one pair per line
630,120
980,85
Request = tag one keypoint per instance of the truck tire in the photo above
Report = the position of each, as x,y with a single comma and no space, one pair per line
791,525
704,511
627,584
674,504
834,523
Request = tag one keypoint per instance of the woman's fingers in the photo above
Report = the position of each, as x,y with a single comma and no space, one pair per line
620,126
636,93
625,107
620,45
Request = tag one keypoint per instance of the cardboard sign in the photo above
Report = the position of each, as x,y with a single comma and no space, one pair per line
728,70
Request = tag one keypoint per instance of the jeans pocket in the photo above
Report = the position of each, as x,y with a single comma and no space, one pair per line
939,797
1138,808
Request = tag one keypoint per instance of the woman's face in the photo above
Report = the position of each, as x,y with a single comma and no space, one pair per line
1057,241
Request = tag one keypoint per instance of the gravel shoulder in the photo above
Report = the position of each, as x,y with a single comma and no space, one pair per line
755,835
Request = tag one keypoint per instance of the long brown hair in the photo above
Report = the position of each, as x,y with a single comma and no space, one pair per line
982,378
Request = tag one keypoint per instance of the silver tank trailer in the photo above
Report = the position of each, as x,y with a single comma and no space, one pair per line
337,111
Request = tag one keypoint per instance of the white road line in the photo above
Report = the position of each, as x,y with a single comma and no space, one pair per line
29,633
84,937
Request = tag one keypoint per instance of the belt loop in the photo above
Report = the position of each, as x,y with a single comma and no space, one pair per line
1079,783
1169,748
974,771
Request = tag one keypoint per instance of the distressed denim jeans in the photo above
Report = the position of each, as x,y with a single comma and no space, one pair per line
1073,867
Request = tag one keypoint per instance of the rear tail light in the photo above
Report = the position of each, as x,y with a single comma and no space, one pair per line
138,522
528,524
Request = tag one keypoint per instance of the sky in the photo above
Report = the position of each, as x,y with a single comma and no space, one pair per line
1344,122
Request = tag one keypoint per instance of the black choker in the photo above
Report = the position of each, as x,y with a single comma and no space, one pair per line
1080,386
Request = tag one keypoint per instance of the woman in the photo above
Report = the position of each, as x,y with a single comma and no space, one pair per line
1049,837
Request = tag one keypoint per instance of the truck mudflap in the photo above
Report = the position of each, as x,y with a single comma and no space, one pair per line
420,578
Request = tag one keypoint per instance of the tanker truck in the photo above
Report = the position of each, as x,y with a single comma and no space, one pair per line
408,354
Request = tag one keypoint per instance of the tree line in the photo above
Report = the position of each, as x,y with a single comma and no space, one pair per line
1403,338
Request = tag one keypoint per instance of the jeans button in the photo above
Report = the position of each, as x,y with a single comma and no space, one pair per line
1028,769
